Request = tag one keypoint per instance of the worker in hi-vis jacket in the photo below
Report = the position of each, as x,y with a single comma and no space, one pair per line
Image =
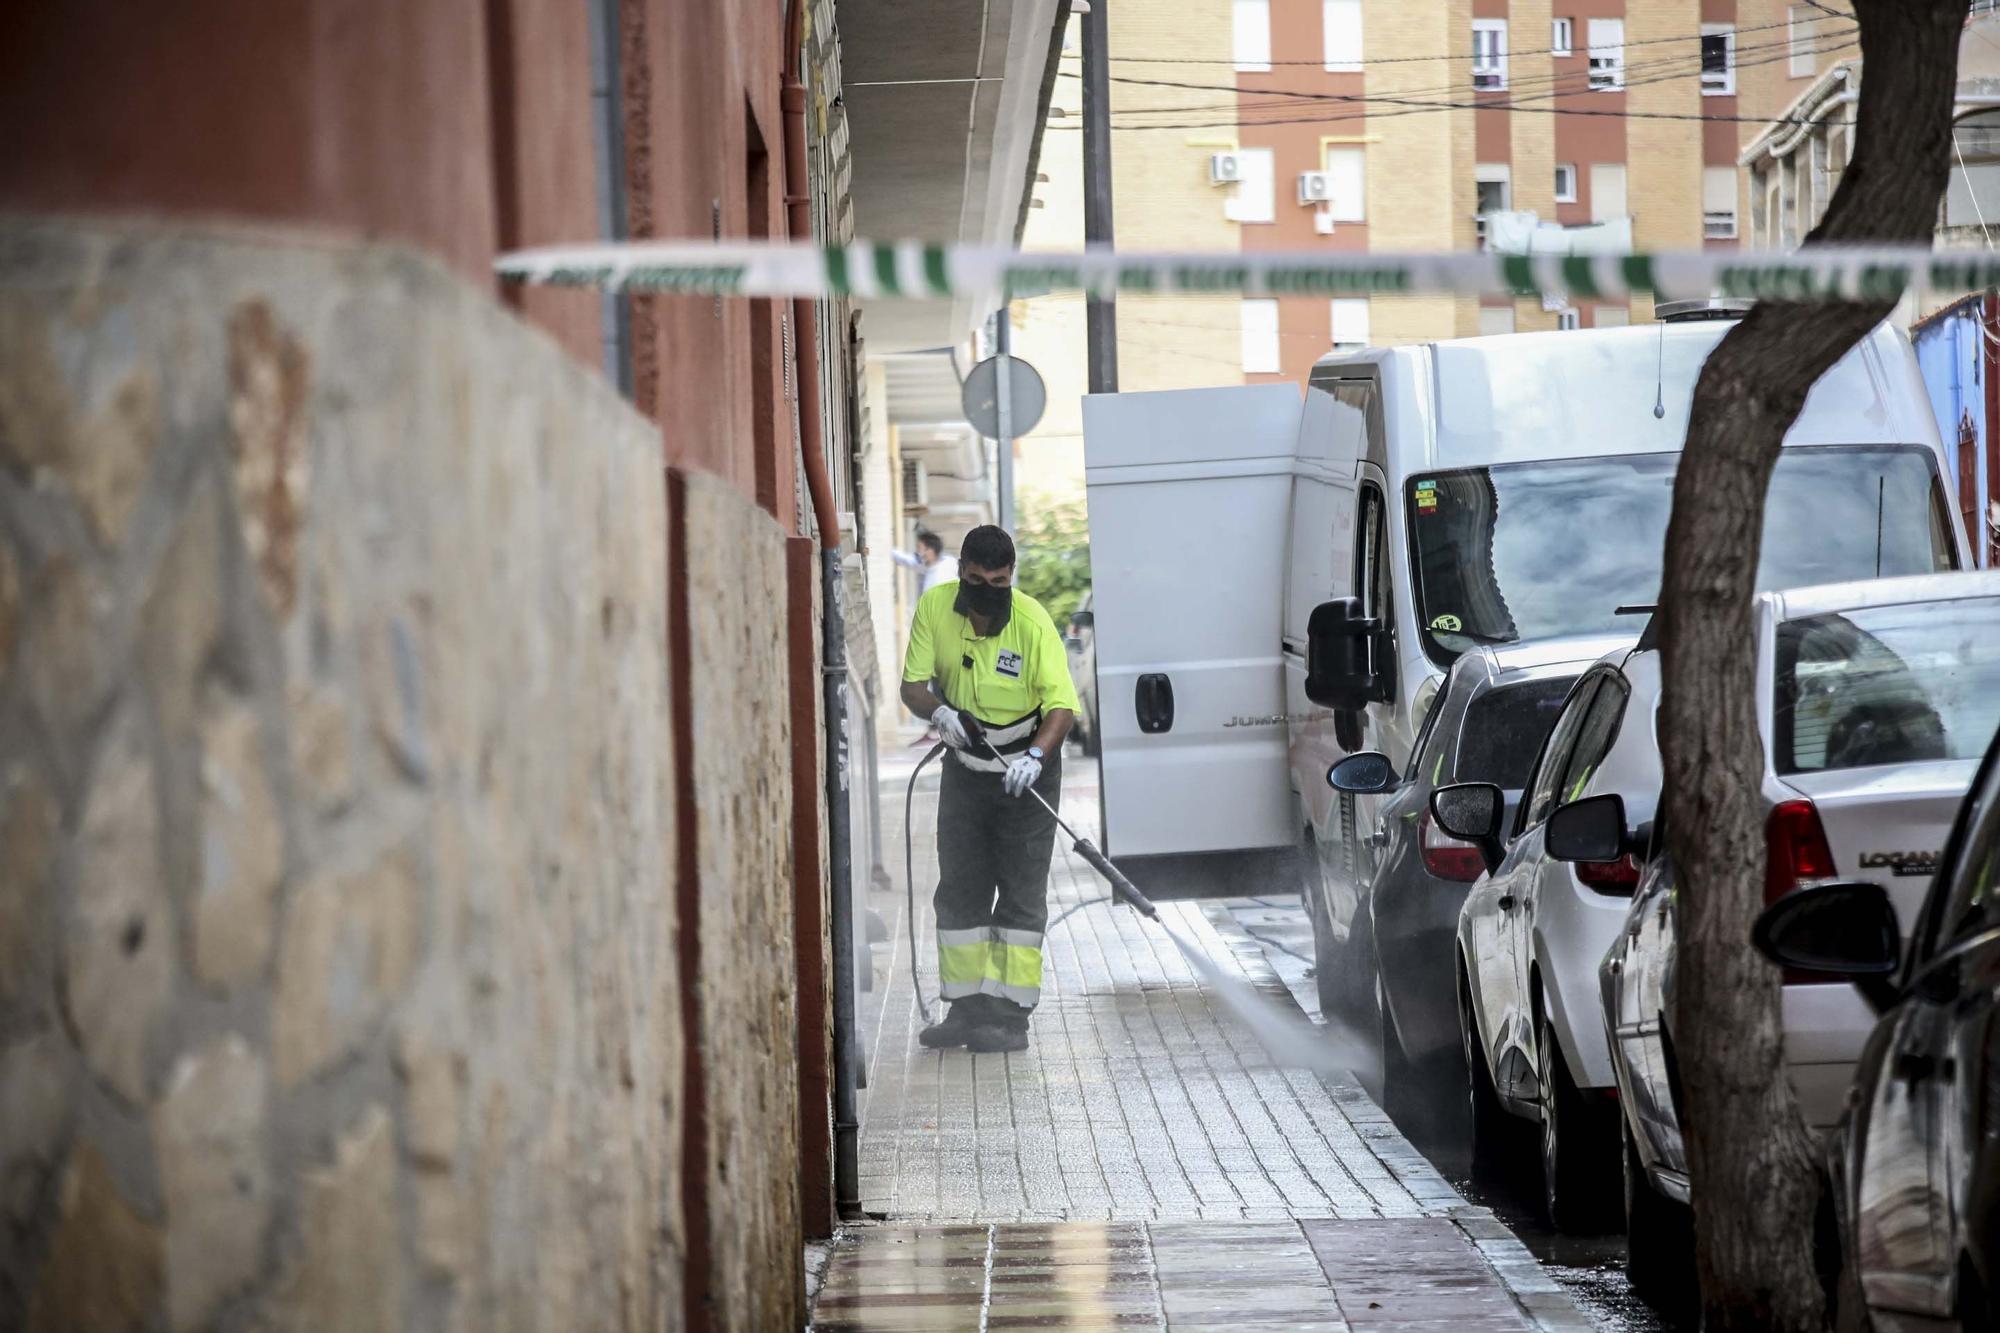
980,647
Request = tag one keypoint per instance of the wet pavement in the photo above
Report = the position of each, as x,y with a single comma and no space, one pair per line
1310,1276
1144,1164
1591,1269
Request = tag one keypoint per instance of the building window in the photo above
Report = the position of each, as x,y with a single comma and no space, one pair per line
1350,323
1489,54
1253,34
1495,319
1343,34
1718,203
1255,199
1611,317
1607,191
1607,54
1718,60
1569,317
1799,36
1346,170
1972,194
1562,36
1565,182
1260,337
1493,190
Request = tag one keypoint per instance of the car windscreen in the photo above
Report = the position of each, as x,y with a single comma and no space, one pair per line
1887,685
1539,550
1503,729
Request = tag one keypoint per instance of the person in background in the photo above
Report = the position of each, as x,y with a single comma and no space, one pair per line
930,558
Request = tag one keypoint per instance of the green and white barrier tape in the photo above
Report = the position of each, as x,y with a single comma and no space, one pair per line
915,269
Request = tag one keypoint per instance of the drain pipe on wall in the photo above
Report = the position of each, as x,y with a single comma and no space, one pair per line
833,639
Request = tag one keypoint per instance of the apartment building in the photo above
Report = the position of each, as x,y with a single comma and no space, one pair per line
1572,126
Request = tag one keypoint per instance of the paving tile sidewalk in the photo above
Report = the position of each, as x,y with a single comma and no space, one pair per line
1143,1164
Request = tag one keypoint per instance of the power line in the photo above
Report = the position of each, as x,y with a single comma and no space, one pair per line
1642,74
1418,106
1572,49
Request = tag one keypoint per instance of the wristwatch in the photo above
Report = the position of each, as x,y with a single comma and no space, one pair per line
1035,753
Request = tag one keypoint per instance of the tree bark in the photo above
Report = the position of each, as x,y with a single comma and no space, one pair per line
1754,1167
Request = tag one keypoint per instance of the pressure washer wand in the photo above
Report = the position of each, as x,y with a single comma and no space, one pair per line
1079,844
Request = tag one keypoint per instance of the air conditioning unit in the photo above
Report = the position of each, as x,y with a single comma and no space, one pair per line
916,486
1315,187
1224,168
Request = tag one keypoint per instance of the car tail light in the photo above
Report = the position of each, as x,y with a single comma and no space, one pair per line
1796,855
1447,857
1620,876
1797,851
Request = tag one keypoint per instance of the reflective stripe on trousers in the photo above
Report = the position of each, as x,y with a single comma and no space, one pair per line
991,961
993,883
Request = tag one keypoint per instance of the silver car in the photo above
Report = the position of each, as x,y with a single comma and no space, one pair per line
1876,701
1532,930
1081,642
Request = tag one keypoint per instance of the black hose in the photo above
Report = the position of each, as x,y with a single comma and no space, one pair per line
910,876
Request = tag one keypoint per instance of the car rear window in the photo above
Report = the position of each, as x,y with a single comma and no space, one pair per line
1887,685
1504,728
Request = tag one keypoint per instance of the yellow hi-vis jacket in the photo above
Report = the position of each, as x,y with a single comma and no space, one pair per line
1007,680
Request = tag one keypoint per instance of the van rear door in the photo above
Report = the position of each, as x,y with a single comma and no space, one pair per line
1189,490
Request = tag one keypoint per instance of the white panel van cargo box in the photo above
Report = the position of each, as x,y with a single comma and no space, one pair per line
1189,492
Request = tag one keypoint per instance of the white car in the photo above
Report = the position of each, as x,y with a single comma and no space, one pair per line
1876,701
1532,930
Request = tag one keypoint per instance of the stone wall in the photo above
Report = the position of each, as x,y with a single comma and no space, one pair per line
339,981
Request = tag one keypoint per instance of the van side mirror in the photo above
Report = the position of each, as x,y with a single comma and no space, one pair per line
1340,669
1846,928
1471,812
1364,773
1592,829
1082,619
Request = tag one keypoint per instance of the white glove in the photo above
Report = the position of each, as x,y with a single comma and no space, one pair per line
950,729
1022,774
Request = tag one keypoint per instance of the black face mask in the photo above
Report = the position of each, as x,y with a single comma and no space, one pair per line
990,603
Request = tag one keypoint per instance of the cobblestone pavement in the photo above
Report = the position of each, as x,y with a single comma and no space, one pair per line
1143,1163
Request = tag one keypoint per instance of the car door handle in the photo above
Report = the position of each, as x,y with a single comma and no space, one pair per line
1506,902
1153,701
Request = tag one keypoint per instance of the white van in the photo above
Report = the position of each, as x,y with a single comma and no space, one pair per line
1277,582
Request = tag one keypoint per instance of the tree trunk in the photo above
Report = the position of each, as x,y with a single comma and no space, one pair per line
1754,1167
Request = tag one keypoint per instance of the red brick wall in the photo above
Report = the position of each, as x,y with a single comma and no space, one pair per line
460,126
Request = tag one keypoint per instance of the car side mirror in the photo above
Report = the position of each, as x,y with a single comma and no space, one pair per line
1846,929
1340,643
1592,829
1363,773
1471,812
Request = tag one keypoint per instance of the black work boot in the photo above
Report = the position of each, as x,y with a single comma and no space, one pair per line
1003,1027
993,1038
960,1019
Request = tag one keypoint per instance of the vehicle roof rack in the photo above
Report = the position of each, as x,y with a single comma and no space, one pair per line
1701,308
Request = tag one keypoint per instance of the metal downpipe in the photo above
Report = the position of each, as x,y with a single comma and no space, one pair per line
833,641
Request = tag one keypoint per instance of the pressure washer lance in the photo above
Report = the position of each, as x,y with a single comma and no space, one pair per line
1079,844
